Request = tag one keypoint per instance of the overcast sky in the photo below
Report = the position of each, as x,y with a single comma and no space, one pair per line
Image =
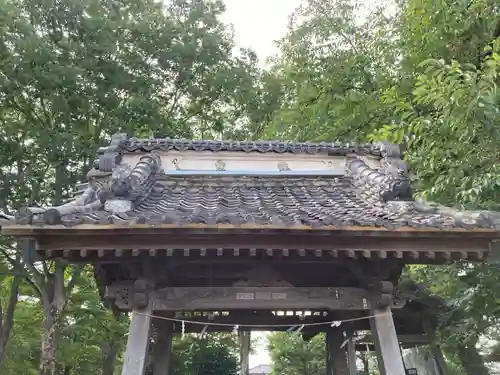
257,25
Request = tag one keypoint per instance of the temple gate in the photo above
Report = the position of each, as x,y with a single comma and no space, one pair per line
197,236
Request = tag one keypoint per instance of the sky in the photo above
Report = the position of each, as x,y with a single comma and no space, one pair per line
257,25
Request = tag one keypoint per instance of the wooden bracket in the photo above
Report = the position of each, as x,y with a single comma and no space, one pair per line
141,295
382,292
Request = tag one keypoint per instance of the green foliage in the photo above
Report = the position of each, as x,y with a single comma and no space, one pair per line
425,78
331,66
290,354
214,354
72,73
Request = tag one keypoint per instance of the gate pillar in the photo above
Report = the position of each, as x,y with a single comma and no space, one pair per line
136,354
162,351
390,361
336,357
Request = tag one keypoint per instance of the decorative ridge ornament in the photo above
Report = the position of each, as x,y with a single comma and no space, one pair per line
110,156
389,183
125,189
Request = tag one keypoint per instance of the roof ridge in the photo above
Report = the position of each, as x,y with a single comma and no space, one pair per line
122,143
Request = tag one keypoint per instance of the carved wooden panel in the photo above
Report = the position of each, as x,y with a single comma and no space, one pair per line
255,298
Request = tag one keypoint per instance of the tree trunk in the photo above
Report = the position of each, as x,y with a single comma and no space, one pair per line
470,359
110,349
109,354
7,318
55,296
51,326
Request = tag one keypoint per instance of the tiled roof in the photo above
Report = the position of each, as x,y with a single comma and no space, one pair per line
166,144
144,194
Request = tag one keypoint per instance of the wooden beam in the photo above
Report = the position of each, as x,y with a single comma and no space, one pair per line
390,361
136,353
96,254
255,298
328,355
244,340
162,351
409,247
337,354
25,230
351,356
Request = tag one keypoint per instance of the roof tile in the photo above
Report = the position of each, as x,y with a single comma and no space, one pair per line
365,197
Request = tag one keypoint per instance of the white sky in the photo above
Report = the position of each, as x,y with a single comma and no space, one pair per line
257,25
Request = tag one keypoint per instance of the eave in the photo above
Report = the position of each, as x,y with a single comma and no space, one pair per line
21,230
96,243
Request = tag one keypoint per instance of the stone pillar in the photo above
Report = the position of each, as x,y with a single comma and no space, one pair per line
162,351
244,338
390,361
136,354
336,356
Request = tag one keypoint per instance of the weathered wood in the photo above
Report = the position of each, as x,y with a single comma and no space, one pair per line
135,359
351,356
411,248
328,355
22,230
99,255
162,352
390,361
216,298
337,356
244,341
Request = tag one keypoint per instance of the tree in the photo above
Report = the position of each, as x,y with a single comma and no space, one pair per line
290,354
331,67
8,302
434,92
214,354
72,73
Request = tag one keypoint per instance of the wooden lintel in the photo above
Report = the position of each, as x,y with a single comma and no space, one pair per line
255,298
